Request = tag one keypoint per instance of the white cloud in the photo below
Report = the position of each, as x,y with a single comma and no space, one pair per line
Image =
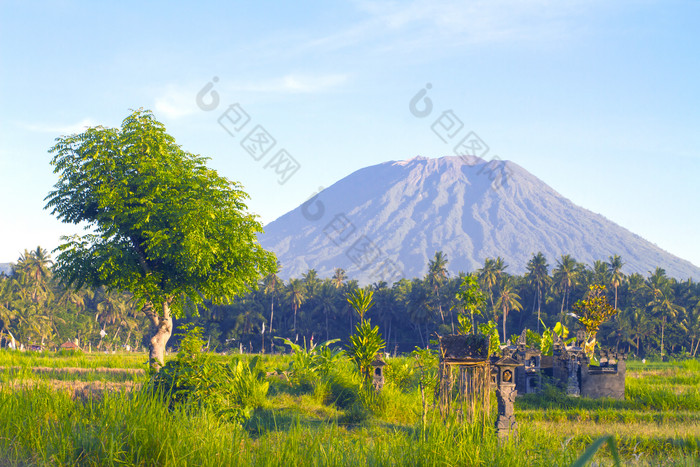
62,129
427,24
176,102
295,84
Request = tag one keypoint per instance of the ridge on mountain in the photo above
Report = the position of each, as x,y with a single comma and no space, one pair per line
386,221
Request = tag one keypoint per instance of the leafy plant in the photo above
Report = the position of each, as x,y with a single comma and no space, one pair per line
546,341
366,342
490,329
312,363
233,391
593,311
426,363
363,348
472,299
361,301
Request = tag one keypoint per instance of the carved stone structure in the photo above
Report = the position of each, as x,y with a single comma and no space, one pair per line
566,364
528,377
378,373
571,370
506,393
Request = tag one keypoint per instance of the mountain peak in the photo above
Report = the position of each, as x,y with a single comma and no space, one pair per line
386,221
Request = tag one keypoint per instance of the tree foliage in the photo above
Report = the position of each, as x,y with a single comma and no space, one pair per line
162,224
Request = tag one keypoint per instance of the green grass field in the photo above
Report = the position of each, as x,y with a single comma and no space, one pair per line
90,409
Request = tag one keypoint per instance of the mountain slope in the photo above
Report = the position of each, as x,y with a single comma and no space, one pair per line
386,221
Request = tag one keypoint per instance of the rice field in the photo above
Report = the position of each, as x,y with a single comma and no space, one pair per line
91,409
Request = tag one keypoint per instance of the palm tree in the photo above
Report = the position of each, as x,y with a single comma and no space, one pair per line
418,307
507,301
437,274
694,327
7,311
311,281
326,300
601,275
538,277
617,277
33,271
565,277
339,277
662,302
488,276
271,285
297,295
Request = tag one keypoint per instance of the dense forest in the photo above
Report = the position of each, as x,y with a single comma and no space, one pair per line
656,314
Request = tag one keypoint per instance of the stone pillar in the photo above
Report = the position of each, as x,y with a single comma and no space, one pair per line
506,392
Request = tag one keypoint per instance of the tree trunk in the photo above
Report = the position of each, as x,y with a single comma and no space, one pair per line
162,330
563,297
539,306
294,326
663,325
272,312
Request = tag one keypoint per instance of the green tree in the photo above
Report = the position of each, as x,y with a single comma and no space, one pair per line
565,277
507,301
617,277
662,305
271,286
164,226
437,275
538,278
472,299
297,295
339,277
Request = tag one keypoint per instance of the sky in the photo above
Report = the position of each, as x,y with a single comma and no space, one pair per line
598,99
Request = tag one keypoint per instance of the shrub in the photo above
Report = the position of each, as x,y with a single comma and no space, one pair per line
233,391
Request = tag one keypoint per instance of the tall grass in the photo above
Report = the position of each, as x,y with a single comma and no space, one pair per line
334,423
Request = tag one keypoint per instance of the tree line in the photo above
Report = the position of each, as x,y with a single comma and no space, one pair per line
656,314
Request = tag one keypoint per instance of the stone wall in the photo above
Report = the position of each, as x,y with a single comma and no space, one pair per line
603,381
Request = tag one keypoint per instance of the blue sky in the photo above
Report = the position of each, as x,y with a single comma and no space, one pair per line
598,99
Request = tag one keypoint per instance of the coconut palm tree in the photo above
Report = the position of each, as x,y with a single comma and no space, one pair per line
311,281
565,277
617,277
418,307
7,309
339,277
326,301
296,292
507,301
662,305
488,276
437,275
538,278
271,286
601,275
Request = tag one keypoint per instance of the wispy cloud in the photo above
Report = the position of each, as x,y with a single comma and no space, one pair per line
427,23
176,101
62,129
295,84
